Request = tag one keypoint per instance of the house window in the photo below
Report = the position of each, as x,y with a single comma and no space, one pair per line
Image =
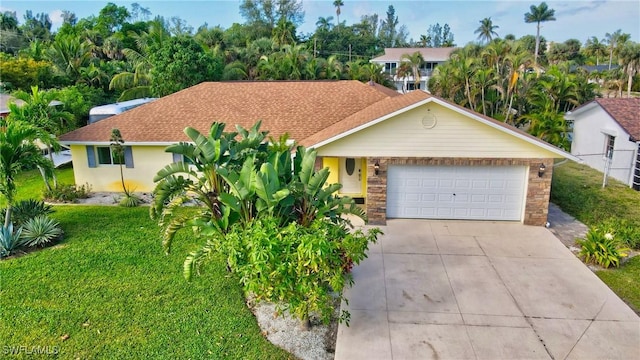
608,146
107,156
184,159
412,86
390,68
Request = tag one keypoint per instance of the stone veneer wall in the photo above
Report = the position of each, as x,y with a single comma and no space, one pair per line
538,191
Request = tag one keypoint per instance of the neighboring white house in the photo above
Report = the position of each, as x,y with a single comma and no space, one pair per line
432,58
606,135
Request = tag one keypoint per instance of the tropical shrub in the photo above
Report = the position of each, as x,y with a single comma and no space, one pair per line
130,200
40,231
28,209
602,248
67,193
624,231
268,211
300,268
9,240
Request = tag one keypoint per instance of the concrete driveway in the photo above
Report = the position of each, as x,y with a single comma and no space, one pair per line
481,290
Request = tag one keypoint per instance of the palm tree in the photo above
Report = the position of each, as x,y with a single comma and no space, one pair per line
17,150
594,47
403,72
630,62
486,30
324,23
424,40
136,82
69,55
337,4
414,60
616,42
539,14
40,109
284,33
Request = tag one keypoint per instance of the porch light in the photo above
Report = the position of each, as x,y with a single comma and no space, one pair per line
376,167
541,170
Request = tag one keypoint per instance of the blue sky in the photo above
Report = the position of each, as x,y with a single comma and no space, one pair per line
575,19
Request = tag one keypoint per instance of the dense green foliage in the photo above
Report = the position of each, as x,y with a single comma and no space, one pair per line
500,80
17,152
268,211
300,268
110,293
180,63
602,247
24,210
125,53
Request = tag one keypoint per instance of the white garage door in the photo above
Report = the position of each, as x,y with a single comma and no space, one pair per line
456,192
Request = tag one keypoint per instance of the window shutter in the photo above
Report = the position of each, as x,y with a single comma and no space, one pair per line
91,156
128,157
177,157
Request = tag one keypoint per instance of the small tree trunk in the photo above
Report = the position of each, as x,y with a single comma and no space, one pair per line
53,173
305,324
44,178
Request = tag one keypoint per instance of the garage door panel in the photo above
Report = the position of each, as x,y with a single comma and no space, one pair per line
481,192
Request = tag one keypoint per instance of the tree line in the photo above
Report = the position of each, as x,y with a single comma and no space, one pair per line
125,53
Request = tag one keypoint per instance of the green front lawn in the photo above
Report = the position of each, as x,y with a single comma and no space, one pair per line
30,184
108,291
111,289
625,281
577,189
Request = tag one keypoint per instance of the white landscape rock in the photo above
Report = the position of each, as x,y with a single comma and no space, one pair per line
284,331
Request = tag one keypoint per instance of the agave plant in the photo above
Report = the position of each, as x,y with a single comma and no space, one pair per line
40,231
28,209
9,240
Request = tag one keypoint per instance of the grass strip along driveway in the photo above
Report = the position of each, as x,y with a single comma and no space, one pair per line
108,291
577,189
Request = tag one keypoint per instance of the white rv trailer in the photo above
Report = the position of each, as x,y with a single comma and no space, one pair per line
104,111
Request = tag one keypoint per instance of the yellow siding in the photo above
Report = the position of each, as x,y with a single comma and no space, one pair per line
147,160
454,135
334,169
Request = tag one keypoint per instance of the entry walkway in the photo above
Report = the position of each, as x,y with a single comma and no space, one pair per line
481,290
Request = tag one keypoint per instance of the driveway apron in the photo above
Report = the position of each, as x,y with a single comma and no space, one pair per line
435,289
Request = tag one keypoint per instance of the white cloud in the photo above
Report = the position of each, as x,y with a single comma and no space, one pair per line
56,17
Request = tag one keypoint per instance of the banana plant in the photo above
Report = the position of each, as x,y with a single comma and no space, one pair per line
270,191
241,185
313,197
194,179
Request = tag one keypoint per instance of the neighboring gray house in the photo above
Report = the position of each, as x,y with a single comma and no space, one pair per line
432,58
606,136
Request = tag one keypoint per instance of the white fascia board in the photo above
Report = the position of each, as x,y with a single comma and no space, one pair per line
571,115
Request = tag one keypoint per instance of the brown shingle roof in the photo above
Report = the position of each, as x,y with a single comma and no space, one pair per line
429,54
301,108
626,111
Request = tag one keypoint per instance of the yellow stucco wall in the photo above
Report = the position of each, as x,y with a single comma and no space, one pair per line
147,160
334,169
454,135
